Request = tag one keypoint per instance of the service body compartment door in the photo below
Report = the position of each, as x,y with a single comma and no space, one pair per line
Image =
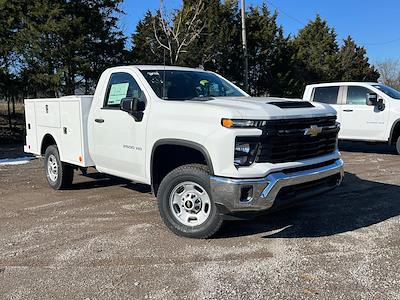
31,133
48,113
71,132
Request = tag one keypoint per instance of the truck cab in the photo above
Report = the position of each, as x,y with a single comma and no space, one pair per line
209,151
366,111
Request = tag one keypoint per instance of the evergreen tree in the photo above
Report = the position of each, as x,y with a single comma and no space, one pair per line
353,63
103,43
269,54
65,45
316,52
39,44
8,57
218,47
145,50
55,47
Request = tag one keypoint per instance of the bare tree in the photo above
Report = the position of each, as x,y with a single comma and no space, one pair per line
390,72
175,31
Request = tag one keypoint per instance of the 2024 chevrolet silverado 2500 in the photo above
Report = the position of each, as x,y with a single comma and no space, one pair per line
366,111
209,151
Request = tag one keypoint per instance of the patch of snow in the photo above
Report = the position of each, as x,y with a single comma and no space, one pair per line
16,161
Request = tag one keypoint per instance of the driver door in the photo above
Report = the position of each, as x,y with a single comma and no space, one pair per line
360,121
119,140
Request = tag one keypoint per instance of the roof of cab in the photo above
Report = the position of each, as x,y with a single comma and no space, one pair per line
156,67
162,67
343,83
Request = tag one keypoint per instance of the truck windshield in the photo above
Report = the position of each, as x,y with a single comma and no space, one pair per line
391,92
189,85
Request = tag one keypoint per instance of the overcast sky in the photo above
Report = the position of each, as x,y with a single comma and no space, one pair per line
373,24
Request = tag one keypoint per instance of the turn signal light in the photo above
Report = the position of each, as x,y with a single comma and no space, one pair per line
242,123
228,123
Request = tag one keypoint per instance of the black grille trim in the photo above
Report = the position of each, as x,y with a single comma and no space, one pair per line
285,140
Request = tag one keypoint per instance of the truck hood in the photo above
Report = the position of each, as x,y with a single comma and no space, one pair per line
269,108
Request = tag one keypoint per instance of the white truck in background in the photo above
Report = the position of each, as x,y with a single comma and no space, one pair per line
209,151
366,111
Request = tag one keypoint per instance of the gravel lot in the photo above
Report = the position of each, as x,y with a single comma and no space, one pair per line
104,239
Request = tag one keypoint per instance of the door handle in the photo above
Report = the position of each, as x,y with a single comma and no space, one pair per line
99,120
347,110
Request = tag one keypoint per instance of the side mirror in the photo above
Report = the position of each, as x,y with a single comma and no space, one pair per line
133,106
126,105
372,99
381,105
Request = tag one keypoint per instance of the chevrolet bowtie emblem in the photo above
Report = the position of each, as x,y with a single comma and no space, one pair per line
313,130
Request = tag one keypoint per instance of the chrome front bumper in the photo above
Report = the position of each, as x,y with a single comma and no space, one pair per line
242,195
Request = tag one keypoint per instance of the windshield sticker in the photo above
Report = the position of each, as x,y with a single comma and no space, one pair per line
117,93
204,82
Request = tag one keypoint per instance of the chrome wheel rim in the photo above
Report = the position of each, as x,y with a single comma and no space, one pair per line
190,204
52,168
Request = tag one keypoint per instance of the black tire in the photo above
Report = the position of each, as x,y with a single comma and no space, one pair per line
198,174
65,172
398,145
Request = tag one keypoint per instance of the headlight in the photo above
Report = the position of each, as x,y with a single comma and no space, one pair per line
239,123
245,152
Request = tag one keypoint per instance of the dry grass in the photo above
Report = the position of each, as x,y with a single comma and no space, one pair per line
19,108
16,133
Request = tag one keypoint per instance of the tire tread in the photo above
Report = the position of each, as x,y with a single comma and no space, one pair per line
184,170
66,171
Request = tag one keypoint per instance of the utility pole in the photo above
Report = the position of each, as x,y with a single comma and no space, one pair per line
244,40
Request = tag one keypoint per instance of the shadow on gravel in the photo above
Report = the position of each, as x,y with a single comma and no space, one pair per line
102,180
363,147
12,151
357,203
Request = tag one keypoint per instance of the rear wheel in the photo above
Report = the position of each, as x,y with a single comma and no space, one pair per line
185,203
59,174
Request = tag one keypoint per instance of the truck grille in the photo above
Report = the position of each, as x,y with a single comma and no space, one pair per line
292,140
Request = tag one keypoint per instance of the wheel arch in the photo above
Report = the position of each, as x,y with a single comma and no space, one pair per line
394,132
188,146
47,140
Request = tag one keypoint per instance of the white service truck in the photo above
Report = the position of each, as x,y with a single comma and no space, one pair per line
209,151
366,111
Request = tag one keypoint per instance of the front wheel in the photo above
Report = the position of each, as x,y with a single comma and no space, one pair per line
398,145
185,203
59,174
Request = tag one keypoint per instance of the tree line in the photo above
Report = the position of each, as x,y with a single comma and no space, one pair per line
59,47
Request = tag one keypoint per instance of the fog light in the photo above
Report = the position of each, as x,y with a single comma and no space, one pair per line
246,194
